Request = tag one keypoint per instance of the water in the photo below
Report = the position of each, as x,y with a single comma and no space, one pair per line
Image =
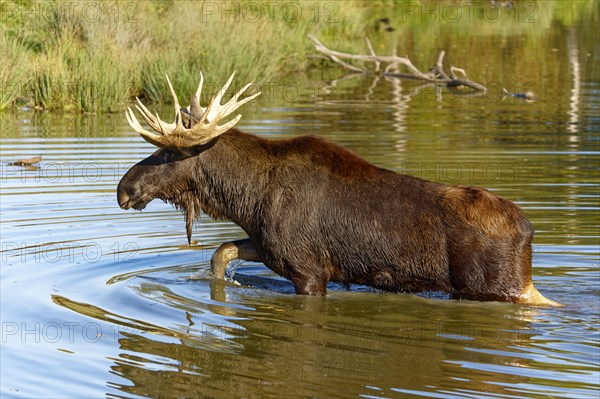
97,301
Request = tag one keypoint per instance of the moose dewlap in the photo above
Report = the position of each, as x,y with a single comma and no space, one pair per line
316,212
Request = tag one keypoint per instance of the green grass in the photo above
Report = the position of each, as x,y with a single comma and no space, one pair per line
91,56
13,70
74,59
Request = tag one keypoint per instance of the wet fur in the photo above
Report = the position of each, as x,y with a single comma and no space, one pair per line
317,212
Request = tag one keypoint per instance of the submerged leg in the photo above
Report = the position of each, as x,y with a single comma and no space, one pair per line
310,286
239,249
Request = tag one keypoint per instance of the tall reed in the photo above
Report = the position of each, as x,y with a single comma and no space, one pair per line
13,71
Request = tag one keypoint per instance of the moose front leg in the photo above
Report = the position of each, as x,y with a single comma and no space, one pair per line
239,249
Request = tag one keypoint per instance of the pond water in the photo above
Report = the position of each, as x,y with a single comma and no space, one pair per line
97,301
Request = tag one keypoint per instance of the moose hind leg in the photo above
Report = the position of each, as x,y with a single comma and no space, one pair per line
239,249
310,285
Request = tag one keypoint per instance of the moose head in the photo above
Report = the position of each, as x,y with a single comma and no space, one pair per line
169,173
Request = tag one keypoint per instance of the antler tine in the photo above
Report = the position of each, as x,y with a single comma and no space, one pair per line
233,101
249,98
242,90
199,90
150,137
134,123
178,120
196,110
148,117
229,125
214,112
164,128
175,100
207,111
225,87
233,104
144,109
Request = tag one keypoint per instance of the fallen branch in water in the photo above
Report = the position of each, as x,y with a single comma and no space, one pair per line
392,63
27,162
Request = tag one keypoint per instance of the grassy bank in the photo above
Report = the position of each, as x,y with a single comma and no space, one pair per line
92,56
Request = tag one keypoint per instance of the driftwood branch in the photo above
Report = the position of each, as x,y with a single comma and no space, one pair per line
27,162
435,75
377,63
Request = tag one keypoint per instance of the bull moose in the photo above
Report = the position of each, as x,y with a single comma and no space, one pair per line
316,212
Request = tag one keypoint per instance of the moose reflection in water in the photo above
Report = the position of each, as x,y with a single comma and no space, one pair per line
295,339
316,212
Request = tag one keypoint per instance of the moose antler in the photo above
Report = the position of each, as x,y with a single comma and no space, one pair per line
193,125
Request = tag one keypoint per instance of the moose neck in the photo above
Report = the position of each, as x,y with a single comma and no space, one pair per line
231,178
